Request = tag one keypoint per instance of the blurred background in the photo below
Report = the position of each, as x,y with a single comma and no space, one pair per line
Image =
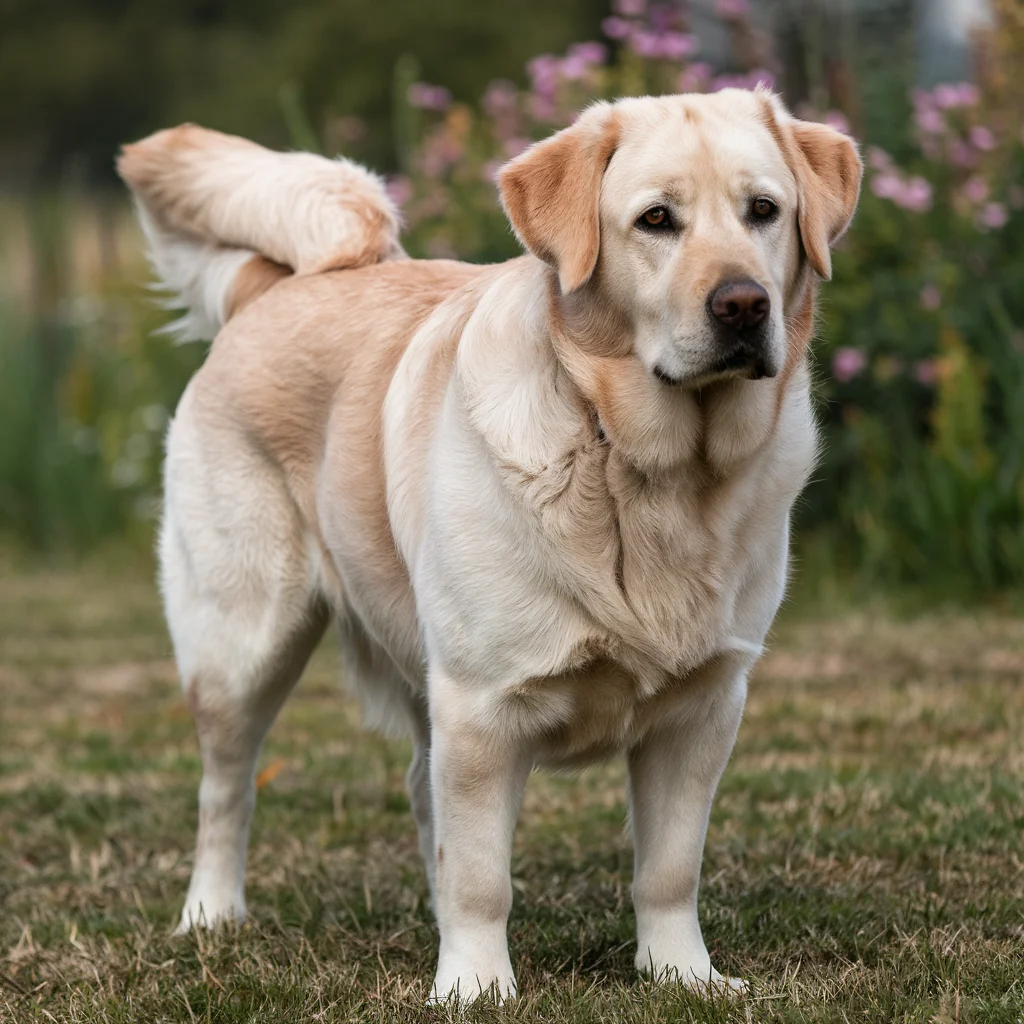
920,357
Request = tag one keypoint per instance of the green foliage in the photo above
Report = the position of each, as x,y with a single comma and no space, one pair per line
77,80
920,355
84,401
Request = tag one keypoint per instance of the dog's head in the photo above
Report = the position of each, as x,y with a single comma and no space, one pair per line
699,220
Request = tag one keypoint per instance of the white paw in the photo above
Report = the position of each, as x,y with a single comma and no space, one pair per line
209,913
715,985
468,985
699,977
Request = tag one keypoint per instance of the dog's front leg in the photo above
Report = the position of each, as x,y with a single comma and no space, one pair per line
673,776
477,776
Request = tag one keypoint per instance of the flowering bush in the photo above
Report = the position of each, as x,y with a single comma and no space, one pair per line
920,357
920,351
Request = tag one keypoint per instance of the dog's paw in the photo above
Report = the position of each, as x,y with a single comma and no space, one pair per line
716,985
209,914
452,985
700,977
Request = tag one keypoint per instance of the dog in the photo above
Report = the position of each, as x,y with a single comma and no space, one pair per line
547,500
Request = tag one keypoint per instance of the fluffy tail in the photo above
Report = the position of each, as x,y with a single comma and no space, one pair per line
226,219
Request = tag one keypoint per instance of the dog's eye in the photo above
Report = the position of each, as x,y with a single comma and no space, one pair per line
763,209
656,217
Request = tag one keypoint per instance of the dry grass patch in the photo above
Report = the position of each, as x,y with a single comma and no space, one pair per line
864,861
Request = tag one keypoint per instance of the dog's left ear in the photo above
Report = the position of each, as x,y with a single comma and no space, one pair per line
828,171
551,194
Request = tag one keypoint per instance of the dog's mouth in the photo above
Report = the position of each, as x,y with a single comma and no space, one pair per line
741,362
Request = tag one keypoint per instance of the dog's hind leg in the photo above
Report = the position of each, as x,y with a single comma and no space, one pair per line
244,614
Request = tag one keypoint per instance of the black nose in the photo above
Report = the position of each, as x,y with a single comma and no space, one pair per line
740,304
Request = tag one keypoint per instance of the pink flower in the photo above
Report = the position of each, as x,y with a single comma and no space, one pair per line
574,68
848,363
695,78
500,97
630,8
926,372
916,195
962,94
931,297
982,138
837,119
645,44
590,53
993,216
732,10
961,155
976,189
676,45
399,189
429,97
489,171
878,159
543,72
929,120
515,146
616,28
886,185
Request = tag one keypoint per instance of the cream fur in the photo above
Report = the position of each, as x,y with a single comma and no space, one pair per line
539,551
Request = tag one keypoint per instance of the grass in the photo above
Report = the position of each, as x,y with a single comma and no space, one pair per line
864,861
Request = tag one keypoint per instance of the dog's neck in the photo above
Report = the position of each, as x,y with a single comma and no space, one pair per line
656,427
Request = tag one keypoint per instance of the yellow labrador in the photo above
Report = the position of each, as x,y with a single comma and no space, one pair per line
548,501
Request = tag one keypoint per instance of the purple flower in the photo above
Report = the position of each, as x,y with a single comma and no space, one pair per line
960,154
916,195
574,68
982,138
543,72
931,298
399,189
732,10
591,53
645,44
976,189
929,120
489,172
429,97
950,96
500,97
886,185
695,78
993,216
667,45
515,146
616,28
878,159
837,119
676,45
848,363
630,8
926,372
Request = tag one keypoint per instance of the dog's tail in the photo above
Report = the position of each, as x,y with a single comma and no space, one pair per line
226,219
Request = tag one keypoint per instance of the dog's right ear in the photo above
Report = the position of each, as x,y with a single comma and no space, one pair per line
551,194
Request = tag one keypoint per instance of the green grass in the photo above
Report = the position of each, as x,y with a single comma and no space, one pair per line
865,859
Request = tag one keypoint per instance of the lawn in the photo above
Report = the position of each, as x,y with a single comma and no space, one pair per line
865,860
